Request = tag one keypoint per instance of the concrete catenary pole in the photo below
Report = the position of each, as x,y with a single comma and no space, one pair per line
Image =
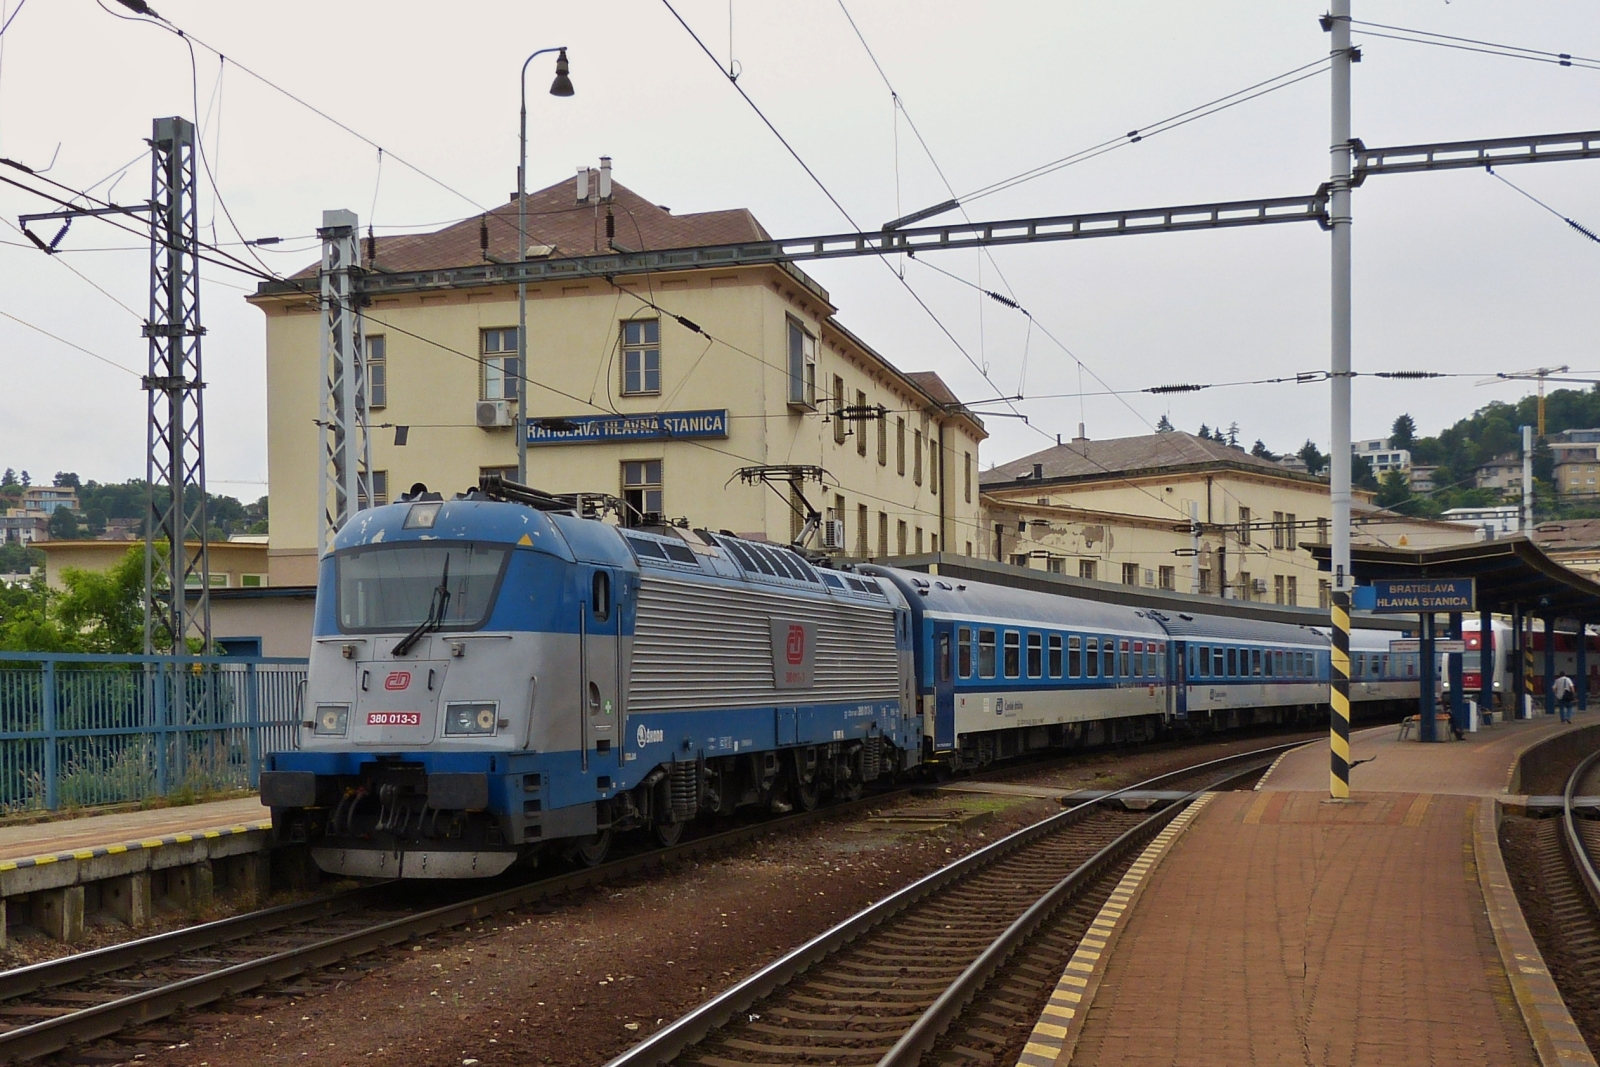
1338,24
1527,480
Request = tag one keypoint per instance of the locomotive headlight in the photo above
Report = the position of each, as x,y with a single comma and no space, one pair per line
471,720
333,720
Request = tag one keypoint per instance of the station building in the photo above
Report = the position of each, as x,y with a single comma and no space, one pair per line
653,389
1122,511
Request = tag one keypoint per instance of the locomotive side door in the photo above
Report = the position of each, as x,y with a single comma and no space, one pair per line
601,656
1177,679
944,686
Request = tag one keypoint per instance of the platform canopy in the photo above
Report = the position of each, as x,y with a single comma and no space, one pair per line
1510,573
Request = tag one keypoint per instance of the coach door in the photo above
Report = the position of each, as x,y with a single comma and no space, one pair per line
1177,680
601,660
944,687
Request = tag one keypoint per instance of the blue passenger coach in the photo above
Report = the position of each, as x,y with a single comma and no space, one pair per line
1236,672
1002,671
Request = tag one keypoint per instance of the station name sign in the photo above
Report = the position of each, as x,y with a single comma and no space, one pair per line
652,426
1414,595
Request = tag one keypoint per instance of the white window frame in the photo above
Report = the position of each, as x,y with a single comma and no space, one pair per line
499,376
802,349
638,356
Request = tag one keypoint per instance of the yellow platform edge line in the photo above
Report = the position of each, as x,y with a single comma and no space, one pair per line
1051,1042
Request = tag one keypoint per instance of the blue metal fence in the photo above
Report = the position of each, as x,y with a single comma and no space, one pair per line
81,730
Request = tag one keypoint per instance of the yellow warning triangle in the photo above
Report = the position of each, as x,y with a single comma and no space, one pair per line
525,540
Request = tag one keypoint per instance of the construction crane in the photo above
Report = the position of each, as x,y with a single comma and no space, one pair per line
1538,374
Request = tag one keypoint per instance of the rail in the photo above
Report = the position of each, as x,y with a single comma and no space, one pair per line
1569,827
665,1045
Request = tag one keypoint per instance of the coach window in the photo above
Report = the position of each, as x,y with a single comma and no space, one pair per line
1035,655
1055,655
602,596
1108,648
1075,657
1217,664
1233,662
1255,662
1138,658
1161,660
964,644
1092,657
985,653
1013,654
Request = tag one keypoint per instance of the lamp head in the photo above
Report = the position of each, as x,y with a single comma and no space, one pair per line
562,86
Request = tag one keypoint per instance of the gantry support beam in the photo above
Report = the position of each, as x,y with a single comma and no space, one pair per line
1490,152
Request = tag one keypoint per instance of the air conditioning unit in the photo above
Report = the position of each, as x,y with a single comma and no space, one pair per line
494,414
833,533
1259,585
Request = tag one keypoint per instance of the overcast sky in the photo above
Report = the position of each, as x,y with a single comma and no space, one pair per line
1453,271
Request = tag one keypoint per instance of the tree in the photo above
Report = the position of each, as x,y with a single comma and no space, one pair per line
1394,493
1260,451
1163,426
66,480
1544,461
26,480
1233,435
63,524
1205,432
1403,434
1312,457
10,477
1361,473
96,611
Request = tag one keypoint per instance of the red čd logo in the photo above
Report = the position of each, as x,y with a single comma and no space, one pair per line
397,680
797,644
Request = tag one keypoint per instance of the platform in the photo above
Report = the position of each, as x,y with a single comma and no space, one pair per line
1283,928
122,863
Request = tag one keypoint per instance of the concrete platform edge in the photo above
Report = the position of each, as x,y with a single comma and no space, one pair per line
1056,1033
1274,765
52,870
1556,1039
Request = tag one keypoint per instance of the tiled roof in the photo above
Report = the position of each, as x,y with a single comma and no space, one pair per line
933,386
559,225
1087,459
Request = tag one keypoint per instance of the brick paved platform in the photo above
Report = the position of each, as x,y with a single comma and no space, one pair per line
1477,766
91,832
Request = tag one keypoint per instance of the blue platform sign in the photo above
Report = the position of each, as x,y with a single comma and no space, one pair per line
1411,596
603,429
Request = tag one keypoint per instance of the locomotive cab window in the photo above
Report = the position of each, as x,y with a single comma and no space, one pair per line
964,646
1055,655
601,590
986,653
398,586
1013,654
1035,655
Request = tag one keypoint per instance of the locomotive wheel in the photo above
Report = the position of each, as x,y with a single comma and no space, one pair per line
591,851
667,834
848,790
805,795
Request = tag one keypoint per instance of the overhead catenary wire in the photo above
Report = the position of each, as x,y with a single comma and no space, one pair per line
1573,223
1469,44
71,344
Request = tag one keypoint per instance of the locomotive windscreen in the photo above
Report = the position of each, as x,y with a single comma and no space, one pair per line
395,587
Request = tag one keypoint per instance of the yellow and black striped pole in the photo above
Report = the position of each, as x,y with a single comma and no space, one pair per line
1339,700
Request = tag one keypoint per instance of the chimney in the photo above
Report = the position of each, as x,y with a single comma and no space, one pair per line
605,177
1058,440
583,184
1081,435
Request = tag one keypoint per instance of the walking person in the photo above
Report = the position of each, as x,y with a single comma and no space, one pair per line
1565,693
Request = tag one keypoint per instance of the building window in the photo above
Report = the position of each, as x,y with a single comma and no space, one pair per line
1244,585
1322,532
1167,577
802,367
1244,526
1056,564
1086,569
883,533
1277,589
968,474
900,537
919,540
1277,531
1205,581
861,433
641,491
252,581
916,456
641,357
1020,560
933,542
1324,594
883,439
380,491
1291,595
900,445
969,548
377,372
838,410
500,370
933,464
862,533
1130,574
1288,531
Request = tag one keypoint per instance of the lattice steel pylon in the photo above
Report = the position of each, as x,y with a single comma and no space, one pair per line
175,550
344,476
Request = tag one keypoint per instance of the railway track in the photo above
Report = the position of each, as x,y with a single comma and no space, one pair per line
76,999
954,968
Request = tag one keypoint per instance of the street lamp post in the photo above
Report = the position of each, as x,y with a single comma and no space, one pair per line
561,86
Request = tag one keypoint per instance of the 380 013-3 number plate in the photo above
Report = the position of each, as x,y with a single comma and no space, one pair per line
394,718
